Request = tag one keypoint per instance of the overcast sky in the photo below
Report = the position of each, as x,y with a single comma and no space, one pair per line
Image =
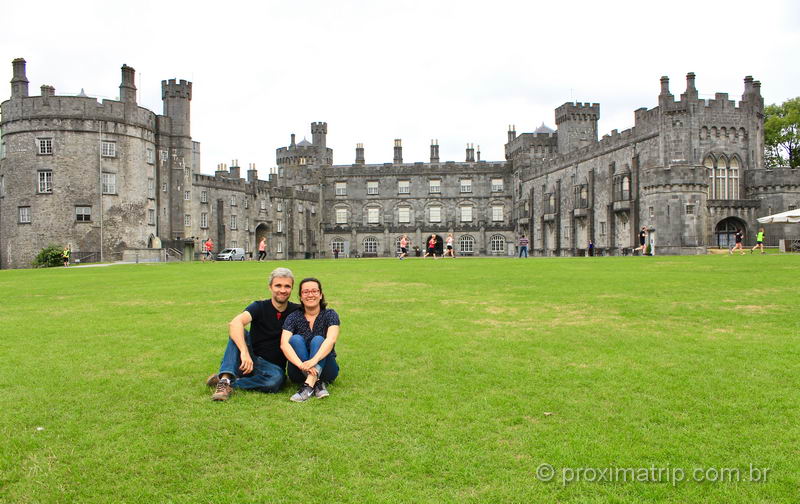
459,71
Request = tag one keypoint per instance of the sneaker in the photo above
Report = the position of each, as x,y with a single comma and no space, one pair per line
320,390
303,394
223,390
212,380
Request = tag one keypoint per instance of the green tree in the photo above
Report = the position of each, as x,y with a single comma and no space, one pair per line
48,257
782,133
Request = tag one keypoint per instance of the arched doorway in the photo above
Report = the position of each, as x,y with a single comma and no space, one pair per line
153,242
262,230
725,232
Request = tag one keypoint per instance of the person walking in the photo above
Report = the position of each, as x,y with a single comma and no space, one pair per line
523,246
262,249
65,255
759,241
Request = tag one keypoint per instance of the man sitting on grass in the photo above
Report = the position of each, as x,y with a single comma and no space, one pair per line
253,360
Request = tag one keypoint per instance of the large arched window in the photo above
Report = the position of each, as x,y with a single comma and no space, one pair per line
733,178
370,245
337,244
466,244
709,164
723,175
497,244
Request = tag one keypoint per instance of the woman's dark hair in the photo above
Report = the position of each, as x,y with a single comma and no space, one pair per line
322,303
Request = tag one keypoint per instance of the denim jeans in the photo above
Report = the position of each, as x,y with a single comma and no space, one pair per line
327,368
265,376
523,250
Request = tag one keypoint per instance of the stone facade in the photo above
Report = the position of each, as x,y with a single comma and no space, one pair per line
690,170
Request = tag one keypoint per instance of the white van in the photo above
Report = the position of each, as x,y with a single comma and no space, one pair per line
231,254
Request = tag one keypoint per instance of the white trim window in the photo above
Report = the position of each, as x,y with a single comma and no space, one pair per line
187,220
83,214
45,182
337,244
151,188
466,213
233,201
150,155
203,220
435,186
404,215
163,187
187,195
497,185
109,149
372,187
279,227
24,214
466,185
403,187
279,247
497,213
151,216
497,244
373,215
203,196
233,222
435,214
341,188
370,245
45,146
263,204
466,244
109,183
341,216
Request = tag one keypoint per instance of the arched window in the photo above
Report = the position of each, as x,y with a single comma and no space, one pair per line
497,244
709,164
466,244
722,174
733,178
337,244
370,245
626,187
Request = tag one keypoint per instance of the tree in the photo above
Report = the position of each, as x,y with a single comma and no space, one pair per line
782,133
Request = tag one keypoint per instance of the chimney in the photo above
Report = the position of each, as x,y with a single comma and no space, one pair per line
512,134
252,173
235,169
292,144
435,151
222,171
479,153
127,90
691,90
398,151
359,153
19,82
48,90
665,97
470,153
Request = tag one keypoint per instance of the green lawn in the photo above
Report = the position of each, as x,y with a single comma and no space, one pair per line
459,378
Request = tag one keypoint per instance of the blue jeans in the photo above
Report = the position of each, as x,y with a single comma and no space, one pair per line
523,250
265,376
327,368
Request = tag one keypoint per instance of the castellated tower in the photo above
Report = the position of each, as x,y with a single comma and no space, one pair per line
300,165
577,125
175,169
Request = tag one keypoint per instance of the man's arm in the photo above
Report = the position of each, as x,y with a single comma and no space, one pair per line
236,333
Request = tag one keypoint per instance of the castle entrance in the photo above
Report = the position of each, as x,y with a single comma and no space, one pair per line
262,230
725,232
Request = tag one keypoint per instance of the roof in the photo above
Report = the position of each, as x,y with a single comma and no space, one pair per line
544,129
304,143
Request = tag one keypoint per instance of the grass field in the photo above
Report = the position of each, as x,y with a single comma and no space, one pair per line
459,379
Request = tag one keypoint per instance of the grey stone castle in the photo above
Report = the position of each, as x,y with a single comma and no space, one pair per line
117,178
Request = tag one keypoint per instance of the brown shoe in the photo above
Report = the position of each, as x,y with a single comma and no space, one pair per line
223,391
212,380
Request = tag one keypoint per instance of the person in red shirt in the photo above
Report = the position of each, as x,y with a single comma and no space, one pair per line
431,247
208,246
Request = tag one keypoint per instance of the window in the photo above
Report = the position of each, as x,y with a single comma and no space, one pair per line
246,202
373,215
622,188
651,212
602,228
2,185
497,244
109,183
187,220
791,207
151,217
313,209
45,146
337,244
151,188
689,209
45,181
234,243
279,248
434,186
187,172
466,214
109,149
279,226
435,214
150,155
204,220
550,203
280,206
187,195
233,222
403,186
733,179
341,188
466,185
372,187
497,213
247,224
164,187
582,196
497,185
300,208
404,215
341,216
164,155
24,215
263,204
466,244
370,245
233,200
83,213
203,196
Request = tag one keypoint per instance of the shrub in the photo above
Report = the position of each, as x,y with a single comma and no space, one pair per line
48,257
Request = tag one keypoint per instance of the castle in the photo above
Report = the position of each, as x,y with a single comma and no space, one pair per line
116,180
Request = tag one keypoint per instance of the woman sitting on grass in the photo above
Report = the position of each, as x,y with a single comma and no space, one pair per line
308,339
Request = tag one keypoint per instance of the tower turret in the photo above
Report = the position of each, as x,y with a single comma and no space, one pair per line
319,130
127,89
176,96
19,82
577,125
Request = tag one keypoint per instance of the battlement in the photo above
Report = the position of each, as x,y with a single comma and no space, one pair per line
176,89
319,128
577,111
76,107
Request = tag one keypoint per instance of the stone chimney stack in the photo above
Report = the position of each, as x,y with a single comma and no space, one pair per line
665,96
435,151
470,153
512,133
48,90
19,82
127,89
359,153
691,90
398,151
235,170
252,173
